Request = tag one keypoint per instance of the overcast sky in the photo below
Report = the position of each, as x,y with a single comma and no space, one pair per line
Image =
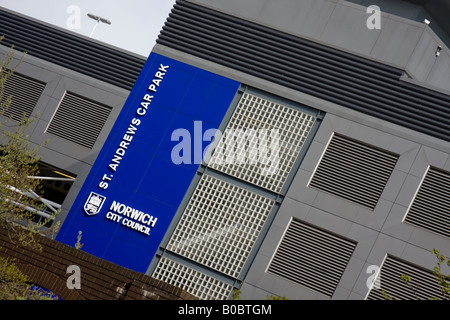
135,24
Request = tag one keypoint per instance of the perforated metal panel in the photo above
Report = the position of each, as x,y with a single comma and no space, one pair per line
431,206
196,283
220,225
423,283
262,142
79,120
25,94
311,257
354,171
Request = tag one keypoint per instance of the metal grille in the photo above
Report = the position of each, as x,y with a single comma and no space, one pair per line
25,93
220,225
196,283
70,50
423,284
354,171
262,142
79,120
431,206
311,257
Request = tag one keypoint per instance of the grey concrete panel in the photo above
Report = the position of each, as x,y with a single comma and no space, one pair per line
408,191
376,218
45,107
393,185
347,29
370,135
50,78
355,296
396,42
428,157
265,283
349,277
328,221
341,293
299,189
312,157
365,217
338,206
423,57
246,9
420,164
446,166
407,150
272,240
435,157
291,209
380,214
386,245
307,18
421,256
394,225
325,132
112,98
398,8
251,292
90,92
365,238
34,71
429,240
439,75
361,288
257,275
288,210
331,124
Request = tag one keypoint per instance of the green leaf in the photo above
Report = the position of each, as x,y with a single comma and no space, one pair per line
405,278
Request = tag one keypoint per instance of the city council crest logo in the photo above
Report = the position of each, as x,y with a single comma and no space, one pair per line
94,204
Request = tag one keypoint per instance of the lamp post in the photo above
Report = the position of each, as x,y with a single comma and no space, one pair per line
98,19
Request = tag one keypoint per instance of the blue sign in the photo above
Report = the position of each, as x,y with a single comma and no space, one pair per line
134,187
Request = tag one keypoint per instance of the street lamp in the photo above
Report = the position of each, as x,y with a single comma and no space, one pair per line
98,19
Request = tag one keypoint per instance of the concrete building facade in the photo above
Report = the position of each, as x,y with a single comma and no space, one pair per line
355,123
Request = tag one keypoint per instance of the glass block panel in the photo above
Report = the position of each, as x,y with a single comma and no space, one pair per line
220,225
196,283
261,142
